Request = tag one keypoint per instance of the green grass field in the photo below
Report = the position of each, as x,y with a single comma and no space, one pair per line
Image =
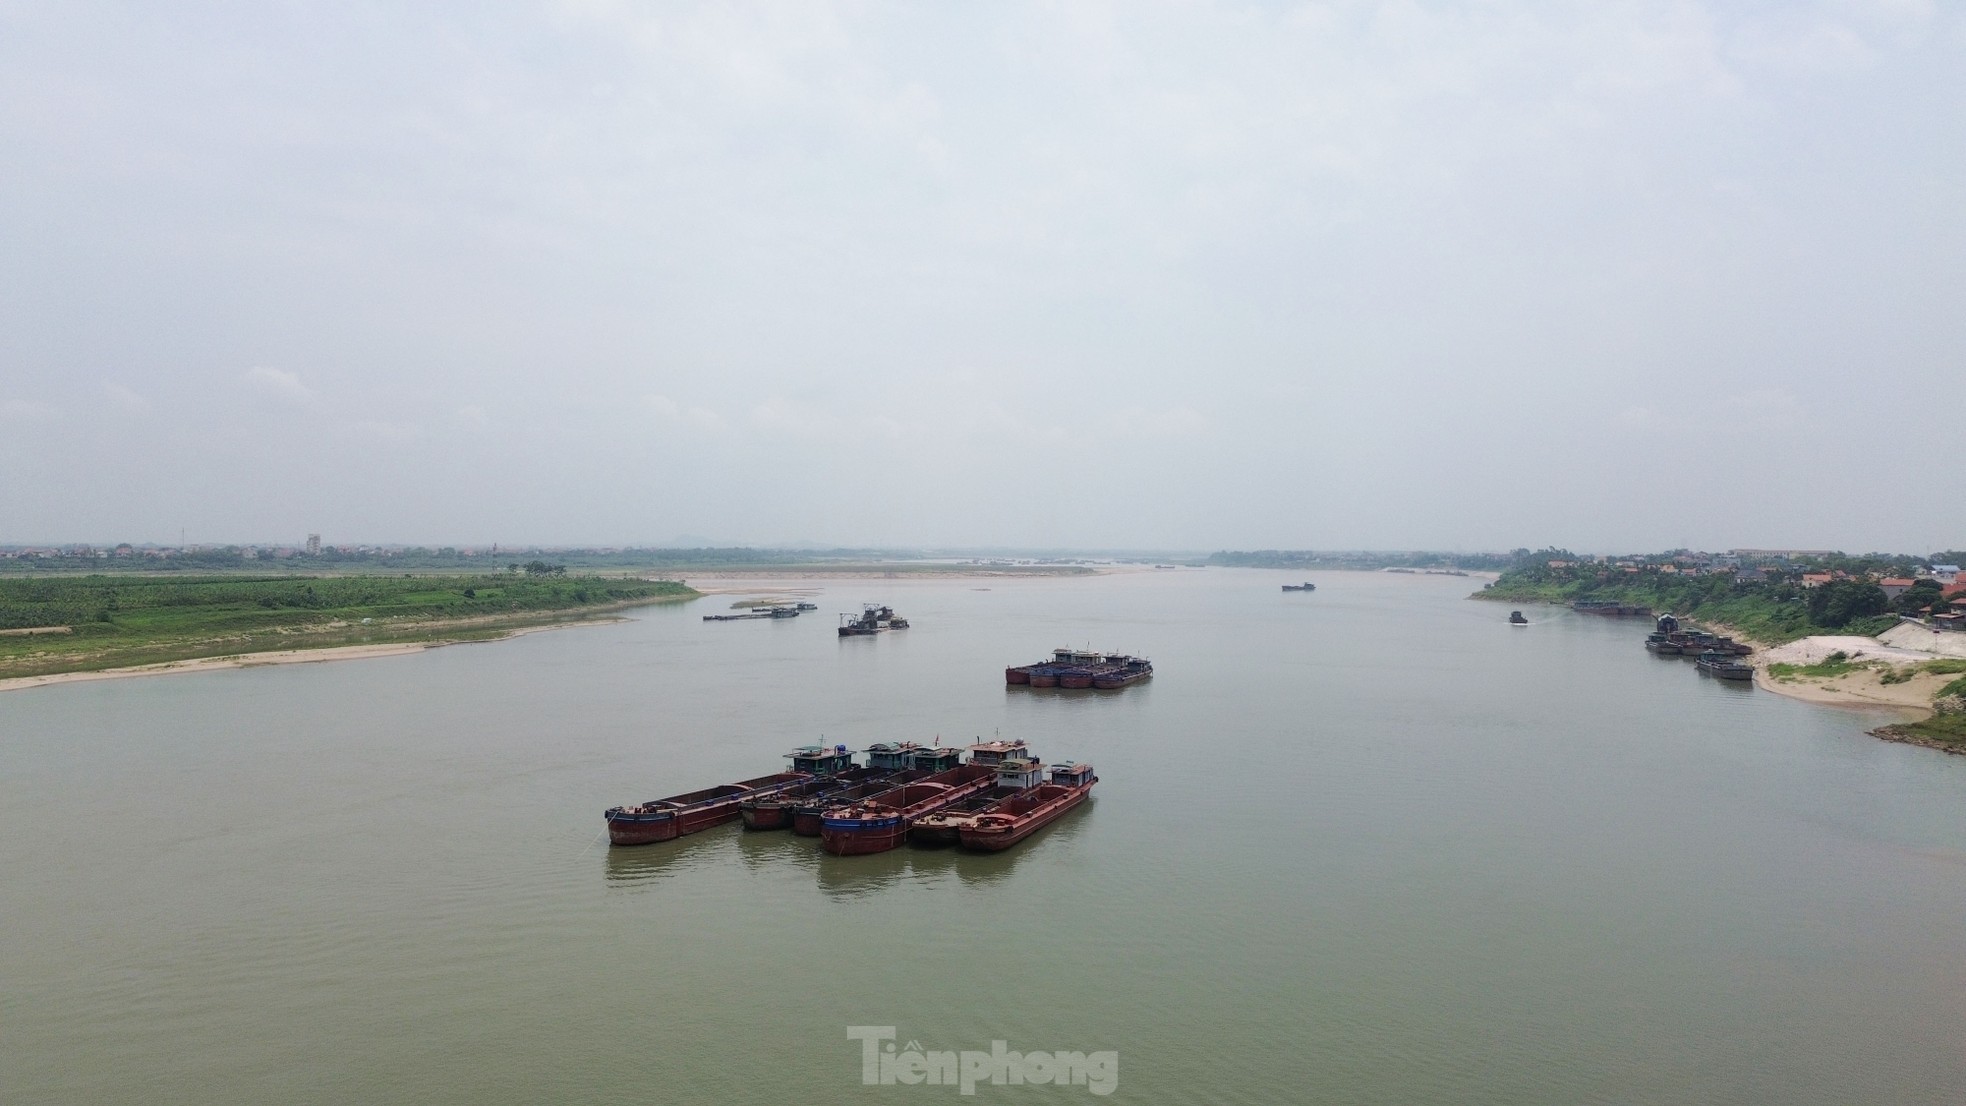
116,621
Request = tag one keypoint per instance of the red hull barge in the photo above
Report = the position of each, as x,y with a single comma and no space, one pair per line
670,818
1017,772
770,812
879,823
1076,670
808,814
1021,815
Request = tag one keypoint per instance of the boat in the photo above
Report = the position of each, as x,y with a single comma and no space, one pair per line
832,770
889,764
1516,619
1077,669
1610,607
1305,586
873,620
807,814
808,606
1122,671
944,827
1662,646
880,822
670,818
1023,814
770,812
1724,666
768,612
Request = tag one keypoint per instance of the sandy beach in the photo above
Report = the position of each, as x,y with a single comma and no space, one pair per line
1863,687
282,656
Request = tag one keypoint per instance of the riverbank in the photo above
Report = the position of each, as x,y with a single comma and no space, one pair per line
143,625
460,636
1846,670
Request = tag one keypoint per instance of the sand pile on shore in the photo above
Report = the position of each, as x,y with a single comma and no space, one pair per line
1815,650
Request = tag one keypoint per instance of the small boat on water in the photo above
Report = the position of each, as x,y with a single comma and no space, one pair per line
1516,619
1724,666
880,822
873,620
670,818
1305,586
768,612
1015,818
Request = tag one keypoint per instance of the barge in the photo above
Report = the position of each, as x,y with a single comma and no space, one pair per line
1305,586
1015,818
1015,775
768,612
1724,666
880,822
1078,669
832,771
1610,608
873,620
670,818
898,763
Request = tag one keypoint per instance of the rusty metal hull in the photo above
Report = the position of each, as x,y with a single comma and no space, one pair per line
1020,816
881,822
668,819
1021,675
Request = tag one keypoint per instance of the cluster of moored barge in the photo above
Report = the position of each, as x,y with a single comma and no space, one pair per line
906,792
1713,653
1074,669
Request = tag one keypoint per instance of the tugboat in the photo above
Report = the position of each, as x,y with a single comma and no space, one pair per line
670,818
873,620
1027,812
1305,586
1516,619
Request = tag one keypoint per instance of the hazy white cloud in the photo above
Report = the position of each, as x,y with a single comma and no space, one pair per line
125,399
278,384
27,410
1166,422
1359,243
392,432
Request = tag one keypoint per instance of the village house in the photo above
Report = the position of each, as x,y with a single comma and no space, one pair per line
1894,586
1815,579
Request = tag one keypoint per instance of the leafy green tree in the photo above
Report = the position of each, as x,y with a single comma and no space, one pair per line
1837,603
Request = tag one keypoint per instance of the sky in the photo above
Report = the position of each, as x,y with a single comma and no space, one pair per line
1609,276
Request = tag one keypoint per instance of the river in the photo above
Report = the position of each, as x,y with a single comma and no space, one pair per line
1364,845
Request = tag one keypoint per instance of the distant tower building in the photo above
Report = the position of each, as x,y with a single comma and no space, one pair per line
313,545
